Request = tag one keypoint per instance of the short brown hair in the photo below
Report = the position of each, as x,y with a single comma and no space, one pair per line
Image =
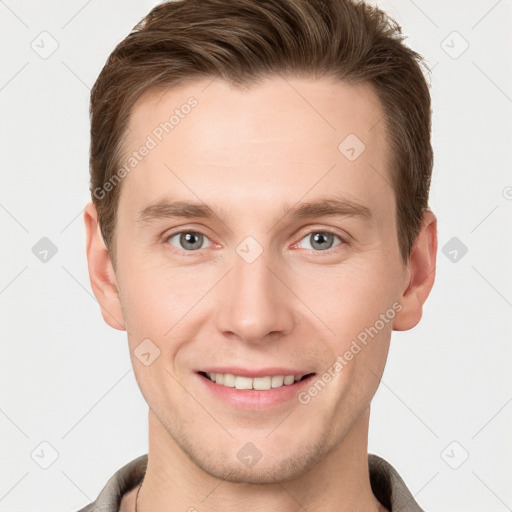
243,41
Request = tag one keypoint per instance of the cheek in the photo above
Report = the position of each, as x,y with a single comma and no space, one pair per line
349,298
156,297
355,306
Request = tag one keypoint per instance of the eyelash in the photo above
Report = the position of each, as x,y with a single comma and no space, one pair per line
343,242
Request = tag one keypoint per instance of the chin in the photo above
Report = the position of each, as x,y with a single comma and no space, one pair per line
278,467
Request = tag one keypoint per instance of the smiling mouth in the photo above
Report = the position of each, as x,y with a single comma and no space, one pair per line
258,383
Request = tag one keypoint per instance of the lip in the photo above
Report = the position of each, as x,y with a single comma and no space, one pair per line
263,372
252,399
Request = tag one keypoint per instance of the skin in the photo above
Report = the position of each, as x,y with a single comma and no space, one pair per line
247,154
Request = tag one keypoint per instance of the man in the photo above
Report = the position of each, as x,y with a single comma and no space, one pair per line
259,226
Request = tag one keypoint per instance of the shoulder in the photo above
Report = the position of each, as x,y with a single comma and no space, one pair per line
121,482
389,487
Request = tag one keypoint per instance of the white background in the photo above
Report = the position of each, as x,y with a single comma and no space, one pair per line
66,377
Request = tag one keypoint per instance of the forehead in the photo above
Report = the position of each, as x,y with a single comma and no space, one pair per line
276,142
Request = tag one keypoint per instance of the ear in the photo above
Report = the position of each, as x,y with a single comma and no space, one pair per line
419,276
101,271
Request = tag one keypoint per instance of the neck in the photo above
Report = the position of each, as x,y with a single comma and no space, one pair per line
340,481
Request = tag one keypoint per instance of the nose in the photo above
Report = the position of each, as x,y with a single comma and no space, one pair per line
256,305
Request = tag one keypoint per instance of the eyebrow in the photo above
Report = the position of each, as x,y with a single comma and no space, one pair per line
328,206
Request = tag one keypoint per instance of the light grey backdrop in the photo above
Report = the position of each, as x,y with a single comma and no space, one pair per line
71,413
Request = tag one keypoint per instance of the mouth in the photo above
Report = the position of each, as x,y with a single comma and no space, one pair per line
261,383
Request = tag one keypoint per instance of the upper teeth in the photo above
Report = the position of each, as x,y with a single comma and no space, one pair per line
260,383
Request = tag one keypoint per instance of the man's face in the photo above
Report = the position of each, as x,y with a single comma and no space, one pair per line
253,291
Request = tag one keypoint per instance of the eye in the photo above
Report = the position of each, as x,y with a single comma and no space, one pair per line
187,240
321,240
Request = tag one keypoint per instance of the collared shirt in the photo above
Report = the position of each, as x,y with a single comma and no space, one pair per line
387,486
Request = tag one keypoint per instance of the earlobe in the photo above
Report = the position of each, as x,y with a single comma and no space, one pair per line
101,273
420,275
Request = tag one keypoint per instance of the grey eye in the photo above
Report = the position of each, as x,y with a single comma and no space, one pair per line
321,240
188,240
